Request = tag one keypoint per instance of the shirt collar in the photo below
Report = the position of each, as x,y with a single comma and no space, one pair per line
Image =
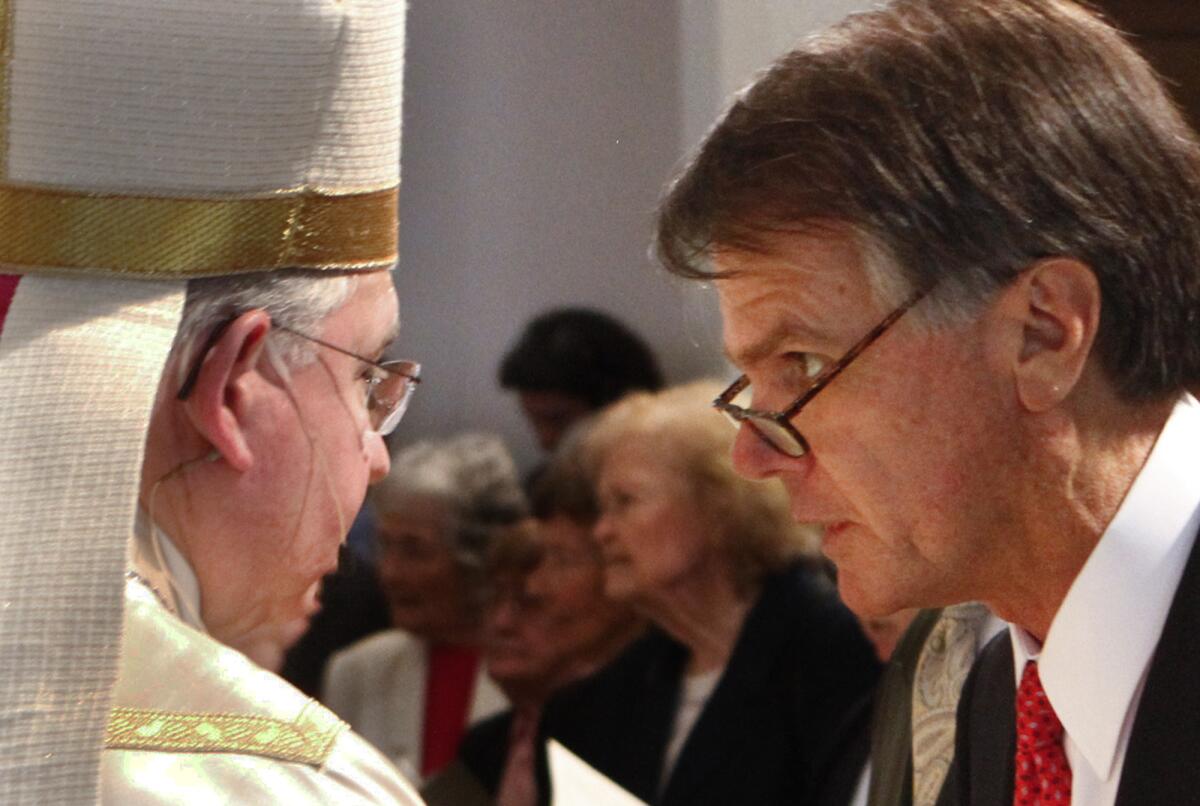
166,571
1102,638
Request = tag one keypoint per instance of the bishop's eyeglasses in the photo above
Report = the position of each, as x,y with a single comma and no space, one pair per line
390,384
775,427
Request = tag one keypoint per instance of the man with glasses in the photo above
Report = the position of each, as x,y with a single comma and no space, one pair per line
957,250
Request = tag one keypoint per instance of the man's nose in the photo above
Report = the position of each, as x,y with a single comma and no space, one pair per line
754,458
503,615
380,461
602,531
389,567
540,580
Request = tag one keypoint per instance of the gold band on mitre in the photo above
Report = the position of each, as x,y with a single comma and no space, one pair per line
49,230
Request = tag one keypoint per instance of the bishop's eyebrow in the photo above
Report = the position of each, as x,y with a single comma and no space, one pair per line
392,334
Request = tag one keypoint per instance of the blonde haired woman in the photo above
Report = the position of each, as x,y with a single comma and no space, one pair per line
754,663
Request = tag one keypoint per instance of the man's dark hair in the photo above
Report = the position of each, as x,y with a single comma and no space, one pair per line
564,487
582,353
963,140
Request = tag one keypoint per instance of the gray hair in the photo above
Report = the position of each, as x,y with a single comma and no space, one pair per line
473,475
296,298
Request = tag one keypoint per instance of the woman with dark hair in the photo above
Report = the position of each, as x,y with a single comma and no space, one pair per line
548,623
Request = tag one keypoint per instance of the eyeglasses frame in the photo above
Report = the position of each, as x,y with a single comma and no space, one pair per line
783,418
189,383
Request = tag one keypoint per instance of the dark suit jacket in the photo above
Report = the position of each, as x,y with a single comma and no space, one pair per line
484,752
455,785
840,771
484,749
1160,762
799,665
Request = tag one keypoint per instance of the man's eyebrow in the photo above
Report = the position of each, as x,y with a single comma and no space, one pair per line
769,343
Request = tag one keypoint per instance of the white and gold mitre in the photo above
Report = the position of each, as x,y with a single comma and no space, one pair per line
144,142
170,139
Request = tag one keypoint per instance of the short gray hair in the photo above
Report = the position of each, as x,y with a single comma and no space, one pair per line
473,475
297,299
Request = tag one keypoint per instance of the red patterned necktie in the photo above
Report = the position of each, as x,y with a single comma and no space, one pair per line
1043,776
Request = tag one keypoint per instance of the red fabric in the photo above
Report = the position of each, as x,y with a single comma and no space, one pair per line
8,287
1043,776
449,689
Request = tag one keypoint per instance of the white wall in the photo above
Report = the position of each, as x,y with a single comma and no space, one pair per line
538,136
725,42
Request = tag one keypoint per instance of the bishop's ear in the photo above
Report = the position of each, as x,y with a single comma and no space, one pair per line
216,405
1055,308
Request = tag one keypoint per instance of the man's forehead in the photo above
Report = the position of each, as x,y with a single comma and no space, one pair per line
804,287
370,318
389,335
805,245
761,310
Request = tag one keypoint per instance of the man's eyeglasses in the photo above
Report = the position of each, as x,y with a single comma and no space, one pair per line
775,427
390,384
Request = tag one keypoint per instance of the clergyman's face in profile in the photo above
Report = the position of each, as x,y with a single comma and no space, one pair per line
314,454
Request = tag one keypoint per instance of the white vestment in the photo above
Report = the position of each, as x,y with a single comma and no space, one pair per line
197,722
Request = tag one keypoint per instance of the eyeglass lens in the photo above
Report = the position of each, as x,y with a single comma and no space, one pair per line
389,396
777,436
767,429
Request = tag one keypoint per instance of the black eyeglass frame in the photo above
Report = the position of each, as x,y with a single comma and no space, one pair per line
409,369
783,418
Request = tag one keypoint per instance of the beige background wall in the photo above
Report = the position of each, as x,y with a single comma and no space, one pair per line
538,135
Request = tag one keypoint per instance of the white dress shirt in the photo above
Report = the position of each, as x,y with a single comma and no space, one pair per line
697,691
160,566
1097,652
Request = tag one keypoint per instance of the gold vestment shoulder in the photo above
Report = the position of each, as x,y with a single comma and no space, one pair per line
308,739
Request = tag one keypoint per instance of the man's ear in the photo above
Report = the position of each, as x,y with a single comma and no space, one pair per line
1055,309
216,406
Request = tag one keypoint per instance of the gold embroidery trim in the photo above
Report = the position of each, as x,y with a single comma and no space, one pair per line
60,230
307,740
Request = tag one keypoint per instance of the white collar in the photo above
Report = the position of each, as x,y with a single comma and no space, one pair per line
1100,643
156,559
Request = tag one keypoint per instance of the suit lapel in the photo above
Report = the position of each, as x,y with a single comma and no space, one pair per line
659,697
731,716
1168,717
891,726
986,735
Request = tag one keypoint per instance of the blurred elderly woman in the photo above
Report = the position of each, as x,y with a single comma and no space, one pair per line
549,623
413,690
754,662
561,623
